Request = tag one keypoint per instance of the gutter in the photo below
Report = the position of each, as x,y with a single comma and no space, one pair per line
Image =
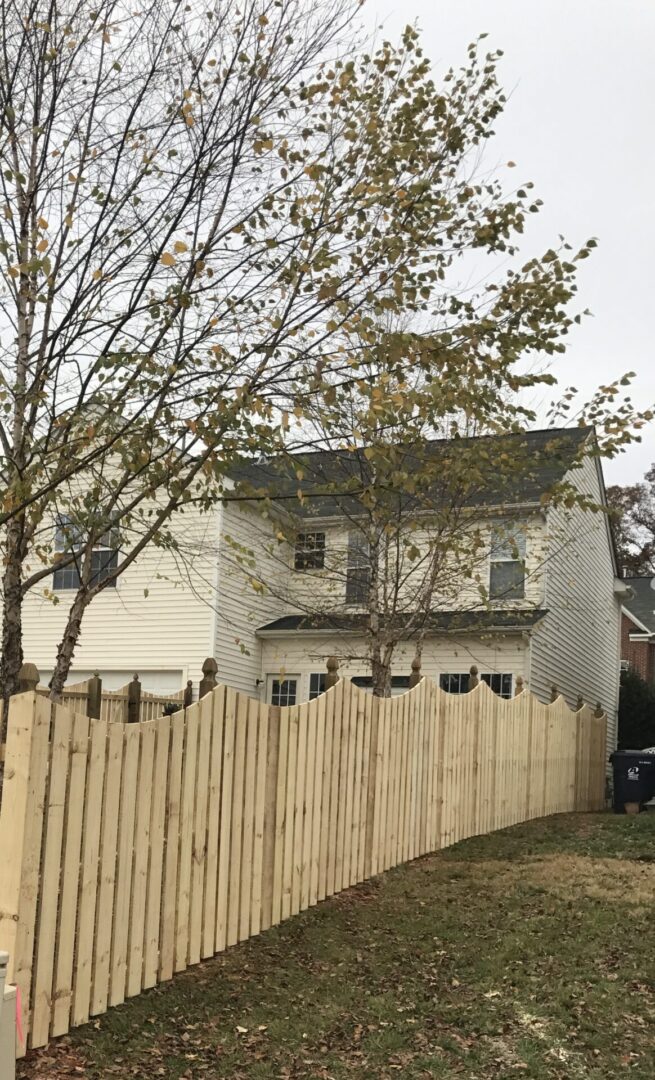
361,631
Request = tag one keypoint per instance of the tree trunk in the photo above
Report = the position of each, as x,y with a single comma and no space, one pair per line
12,610
381,657
68,643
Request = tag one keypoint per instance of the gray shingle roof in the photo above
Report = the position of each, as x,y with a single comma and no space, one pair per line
643,604
439,621
536,460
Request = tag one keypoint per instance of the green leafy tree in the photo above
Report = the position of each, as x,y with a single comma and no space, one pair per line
636,712
633,521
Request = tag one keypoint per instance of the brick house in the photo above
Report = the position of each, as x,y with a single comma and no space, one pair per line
638,628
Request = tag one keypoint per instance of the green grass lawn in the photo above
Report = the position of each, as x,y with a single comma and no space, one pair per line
530,952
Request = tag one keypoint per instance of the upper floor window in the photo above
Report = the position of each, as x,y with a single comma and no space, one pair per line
310,551
507,568
104,557
358,569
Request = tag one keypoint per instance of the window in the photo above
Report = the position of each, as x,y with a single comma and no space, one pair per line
507,571
358,571
104,557
455,684
500,684
310,551
459,682
316,684
284,691
399,683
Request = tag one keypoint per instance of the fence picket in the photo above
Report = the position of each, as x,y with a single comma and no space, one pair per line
54,834
89,880
62,991
152,945
107,871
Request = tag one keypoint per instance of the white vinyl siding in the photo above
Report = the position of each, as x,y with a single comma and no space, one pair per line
305,654
249,595
157,619
577,647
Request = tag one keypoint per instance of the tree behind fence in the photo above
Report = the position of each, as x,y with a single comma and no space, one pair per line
129,851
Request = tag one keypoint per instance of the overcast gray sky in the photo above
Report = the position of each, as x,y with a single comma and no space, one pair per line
580,123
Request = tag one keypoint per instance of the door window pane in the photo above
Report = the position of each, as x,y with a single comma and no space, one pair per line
283,691
316,684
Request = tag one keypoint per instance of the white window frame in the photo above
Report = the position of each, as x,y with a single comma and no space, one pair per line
503,533
275,676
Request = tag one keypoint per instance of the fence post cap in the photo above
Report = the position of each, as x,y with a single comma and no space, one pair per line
599,710
209,667
28,677
518,688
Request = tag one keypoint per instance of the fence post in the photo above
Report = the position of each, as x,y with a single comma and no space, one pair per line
518,686
579,703
332,677
94,696
554,693
21,830
208,681
474,679
188,694
28,678
415,677
134,701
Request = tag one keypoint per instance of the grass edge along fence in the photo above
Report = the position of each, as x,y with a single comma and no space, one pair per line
130,851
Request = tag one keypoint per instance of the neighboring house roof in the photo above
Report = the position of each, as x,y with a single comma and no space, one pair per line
642,604
544,457
438,621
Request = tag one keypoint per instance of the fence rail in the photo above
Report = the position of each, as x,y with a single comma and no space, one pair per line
130,851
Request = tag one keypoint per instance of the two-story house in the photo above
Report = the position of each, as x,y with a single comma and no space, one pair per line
544,602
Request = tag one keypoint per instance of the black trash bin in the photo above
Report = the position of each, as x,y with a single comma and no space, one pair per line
634,778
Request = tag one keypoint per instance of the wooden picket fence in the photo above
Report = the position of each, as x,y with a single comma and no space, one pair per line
116,704
130,851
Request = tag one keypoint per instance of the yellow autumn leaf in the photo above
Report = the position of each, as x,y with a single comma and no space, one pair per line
97,274
167,259
42,223
42,245
180,246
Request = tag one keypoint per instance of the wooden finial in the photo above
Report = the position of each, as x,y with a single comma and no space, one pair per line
208,681
518,686
332,677
28,678
134,701
188,694
94,696
473,678
599,710
579,703
554,693
415,676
